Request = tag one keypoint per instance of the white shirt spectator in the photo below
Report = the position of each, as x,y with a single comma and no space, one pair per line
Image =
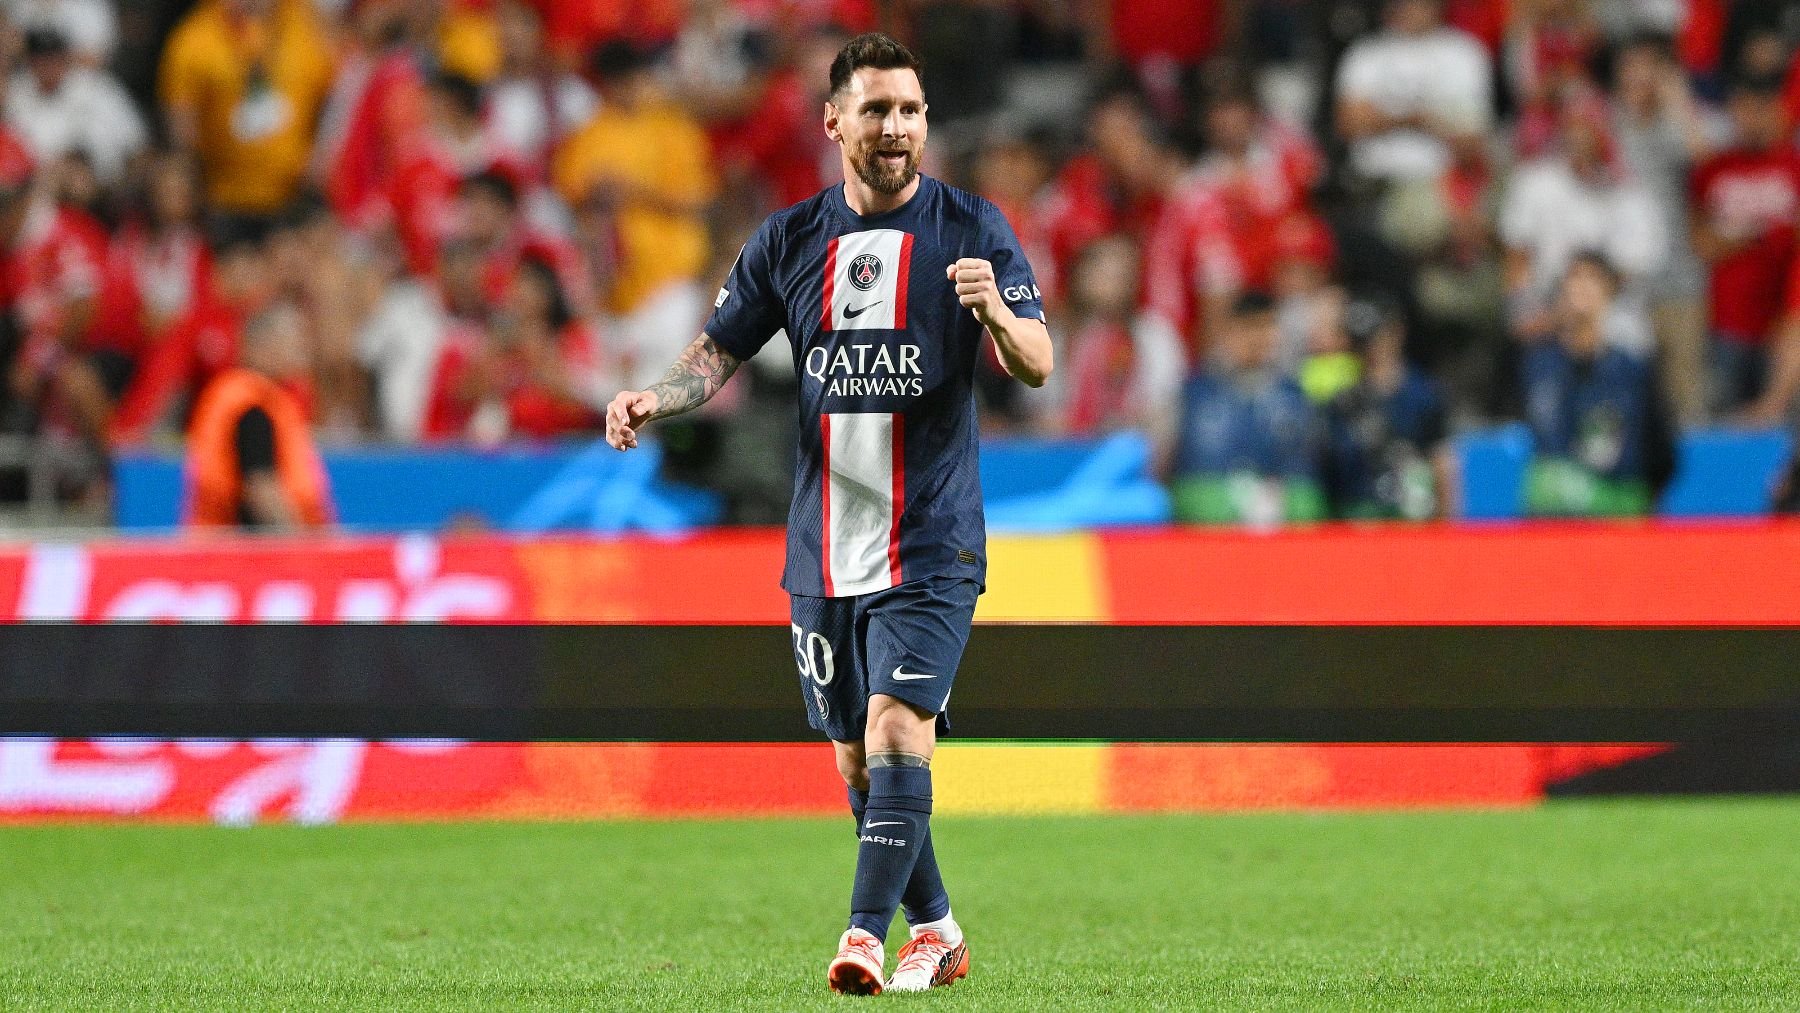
1551,214
399,345
1443,75
522,118
90,112
91,26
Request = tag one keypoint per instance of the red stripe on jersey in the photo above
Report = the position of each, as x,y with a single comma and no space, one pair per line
899,427
830,282
900,277
825,472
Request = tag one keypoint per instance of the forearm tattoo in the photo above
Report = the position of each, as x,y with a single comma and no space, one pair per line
695,376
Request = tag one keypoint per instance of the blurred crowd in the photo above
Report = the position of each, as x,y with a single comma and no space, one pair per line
1299,244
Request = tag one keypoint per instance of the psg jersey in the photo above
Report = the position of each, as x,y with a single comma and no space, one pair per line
886,489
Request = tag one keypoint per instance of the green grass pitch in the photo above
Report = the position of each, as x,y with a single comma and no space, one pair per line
1603,906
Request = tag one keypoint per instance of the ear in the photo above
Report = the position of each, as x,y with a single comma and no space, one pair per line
831,122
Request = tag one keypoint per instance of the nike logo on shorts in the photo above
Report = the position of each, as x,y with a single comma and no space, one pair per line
852,312
885,823
900,675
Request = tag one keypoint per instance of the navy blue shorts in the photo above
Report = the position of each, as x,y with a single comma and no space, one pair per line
905,642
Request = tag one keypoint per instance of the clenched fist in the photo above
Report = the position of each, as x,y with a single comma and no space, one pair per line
976,289
625,414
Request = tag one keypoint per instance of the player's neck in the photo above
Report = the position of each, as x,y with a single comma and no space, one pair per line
866,200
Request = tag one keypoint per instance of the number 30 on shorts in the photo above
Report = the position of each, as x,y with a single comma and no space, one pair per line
813,653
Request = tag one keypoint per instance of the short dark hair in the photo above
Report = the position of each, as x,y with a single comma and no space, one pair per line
1252,303
463,93
1660,43
1761,85
878,50
1600,262
617,59
560,313
493,182
45,40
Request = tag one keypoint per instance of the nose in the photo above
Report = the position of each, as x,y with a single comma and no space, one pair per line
892,125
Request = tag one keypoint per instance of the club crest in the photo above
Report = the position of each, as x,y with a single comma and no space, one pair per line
865,271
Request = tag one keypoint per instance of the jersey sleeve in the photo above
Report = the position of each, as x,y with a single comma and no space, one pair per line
748,310
1012,272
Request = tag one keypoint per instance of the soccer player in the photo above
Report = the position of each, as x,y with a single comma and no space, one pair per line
887,285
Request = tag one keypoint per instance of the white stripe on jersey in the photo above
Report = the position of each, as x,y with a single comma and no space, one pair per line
865,474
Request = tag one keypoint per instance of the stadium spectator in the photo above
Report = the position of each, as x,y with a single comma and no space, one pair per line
1116,184
1247,448
532,105
374,111
57,105
718,64
1406,96
242,83
1662,131
1574,200
1159,41
575,30
451,144
1386,423
251,461
316,274
780,149
530,371
487,213
1746,204
158,266
1263,172
1588,403
55,257
1116,373
1550,46
465,35
199,345
1459,295
1301,282
407,334
645,160
552,364
90,26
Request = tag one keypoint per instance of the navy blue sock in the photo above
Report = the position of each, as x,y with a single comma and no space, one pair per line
893,831
925,899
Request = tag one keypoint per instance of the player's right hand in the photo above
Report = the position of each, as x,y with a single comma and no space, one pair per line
625,415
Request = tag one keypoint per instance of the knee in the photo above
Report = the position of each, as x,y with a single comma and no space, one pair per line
852,765
900,728
855,772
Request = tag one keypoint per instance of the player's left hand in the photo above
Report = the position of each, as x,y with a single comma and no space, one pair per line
976,288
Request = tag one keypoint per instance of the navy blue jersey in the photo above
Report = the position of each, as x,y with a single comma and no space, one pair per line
1379,446
1592,411
887,488
1265,426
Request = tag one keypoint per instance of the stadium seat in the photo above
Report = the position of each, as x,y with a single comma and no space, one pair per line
1491,467
1726,472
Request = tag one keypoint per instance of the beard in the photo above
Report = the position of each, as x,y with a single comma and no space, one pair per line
883,178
